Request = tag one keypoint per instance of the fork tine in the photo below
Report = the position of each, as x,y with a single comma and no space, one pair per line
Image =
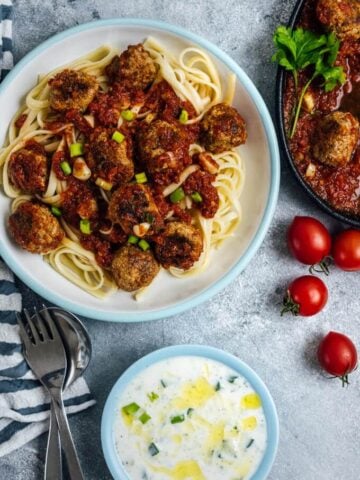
23,333
46,316
34,332
41,325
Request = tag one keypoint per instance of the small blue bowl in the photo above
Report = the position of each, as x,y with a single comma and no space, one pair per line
112,404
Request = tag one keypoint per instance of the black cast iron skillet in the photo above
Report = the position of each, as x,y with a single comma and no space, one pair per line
279,112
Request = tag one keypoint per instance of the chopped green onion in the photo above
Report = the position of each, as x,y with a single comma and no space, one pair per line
149,217
144,245
128,115
196,197
184,116
177,419
163,383
141,177
232,379
100,182
85,226
250,443
65,167
56,211
144,418
76,149
131,408
133,240
177,195
217,387
153,450
189,412
118,137
153,396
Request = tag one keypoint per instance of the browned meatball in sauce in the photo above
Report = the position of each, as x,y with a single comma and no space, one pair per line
179,245
112,160
133,269
134,68
28,168
340,16
164,148
71,89
222,128
335,139
133,205
34,228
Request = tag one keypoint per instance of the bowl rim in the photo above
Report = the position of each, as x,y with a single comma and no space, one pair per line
268,213
112,402
284,148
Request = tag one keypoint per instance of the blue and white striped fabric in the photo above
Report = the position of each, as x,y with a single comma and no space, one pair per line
24,405
6,55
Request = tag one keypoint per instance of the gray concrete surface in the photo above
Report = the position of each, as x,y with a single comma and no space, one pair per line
319,420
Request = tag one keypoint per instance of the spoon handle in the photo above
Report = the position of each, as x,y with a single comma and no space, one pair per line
53,464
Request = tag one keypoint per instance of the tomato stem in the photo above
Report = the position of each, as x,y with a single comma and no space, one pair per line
289,305
322,266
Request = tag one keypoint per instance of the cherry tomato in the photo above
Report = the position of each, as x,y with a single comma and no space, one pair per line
346,250
337,355
305,296
309,241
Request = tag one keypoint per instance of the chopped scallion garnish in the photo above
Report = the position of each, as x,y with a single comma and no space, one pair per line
85,226
149,217
189,412
100,182
128,115
133,240
177,195
184,116
131,408
144,418
141,177
250,443
163,383
153,396
232,379
144,245
65,167
118,137
196,197
177,419
76,149
56,211
153,450
217,387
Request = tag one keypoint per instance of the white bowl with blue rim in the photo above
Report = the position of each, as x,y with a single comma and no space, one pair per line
112,405
167,295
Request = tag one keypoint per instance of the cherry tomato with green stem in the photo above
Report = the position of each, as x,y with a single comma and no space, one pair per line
305,296
346,250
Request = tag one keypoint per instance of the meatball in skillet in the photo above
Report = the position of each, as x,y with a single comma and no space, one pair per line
133,207
335,139
112,160
134,68
133,268
179,245
34,228
222,128
70,89
28,169
340,16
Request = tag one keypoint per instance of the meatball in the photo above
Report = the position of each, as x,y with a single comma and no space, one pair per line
34,228
28,169
164,148
335,138
179,245
202,183
222,128
133,207
71,89
133,269
340,16
112,160
134,68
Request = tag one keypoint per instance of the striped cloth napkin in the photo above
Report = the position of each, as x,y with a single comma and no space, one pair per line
24,405
6,56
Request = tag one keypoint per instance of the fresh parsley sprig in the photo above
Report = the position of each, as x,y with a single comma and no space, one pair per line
298,49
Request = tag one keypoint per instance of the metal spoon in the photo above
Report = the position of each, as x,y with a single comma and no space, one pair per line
78,350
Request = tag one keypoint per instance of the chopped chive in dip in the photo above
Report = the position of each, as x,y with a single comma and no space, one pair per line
118,137
131,408
177,419
153,450
144,245
133,240
232,379
76,149
128,115
217,386
163,383
141,177
56,211
85,226
65,167
250,443
196,197
152,396
184,116
177,195
189,412
144,418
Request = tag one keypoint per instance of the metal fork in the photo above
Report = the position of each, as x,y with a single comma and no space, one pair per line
44,352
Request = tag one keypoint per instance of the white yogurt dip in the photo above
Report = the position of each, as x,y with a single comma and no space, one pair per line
190,418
